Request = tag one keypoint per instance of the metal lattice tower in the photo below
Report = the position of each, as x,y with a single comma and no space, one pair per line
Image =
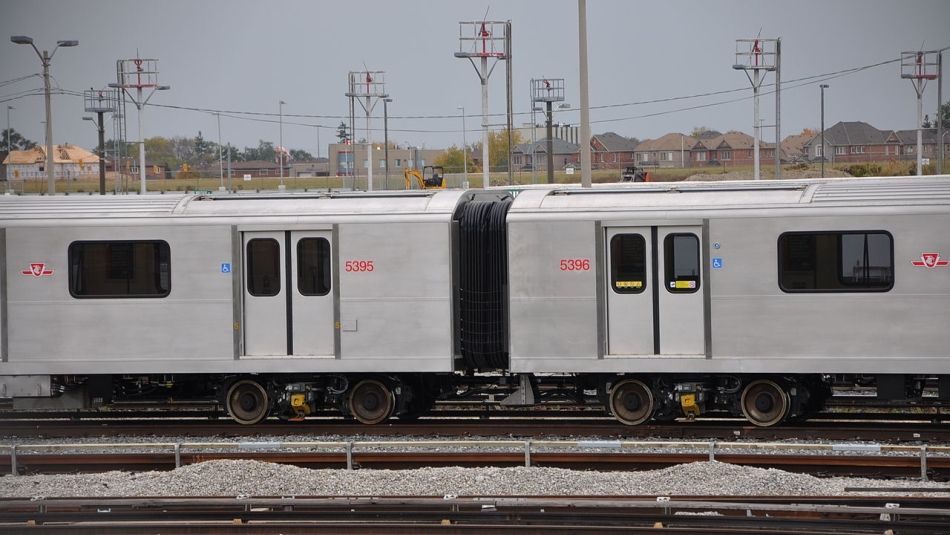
759,56
547,90
367,87
918,67
485,40
100,102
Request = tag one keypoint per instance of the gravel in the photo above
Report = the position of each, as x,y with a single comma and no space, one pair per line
254,478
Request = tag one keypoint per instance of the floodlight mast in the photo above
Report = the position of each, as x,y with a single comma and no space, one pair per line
484,39
46,58
919,66
100,102
756,55
140,74
372,88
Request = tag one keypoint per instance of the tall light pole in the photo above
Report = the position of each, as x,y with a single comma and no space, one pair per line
823,87
46,58
140,106
9,146
465,148
386,101
280,148
220,156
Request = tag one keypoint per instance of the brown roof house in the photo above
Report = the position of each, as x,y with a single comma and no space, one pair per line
611,151
69,162
731,148
670,150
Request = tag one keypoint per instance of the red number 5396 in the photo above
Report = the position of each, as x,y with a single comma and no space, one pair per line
575,264
358,265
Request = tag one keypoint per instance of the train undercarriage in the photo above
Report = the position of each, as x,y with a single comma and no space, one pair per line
372,399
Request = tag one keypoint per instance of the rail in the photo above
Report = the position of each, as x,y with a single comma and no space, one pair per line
527,447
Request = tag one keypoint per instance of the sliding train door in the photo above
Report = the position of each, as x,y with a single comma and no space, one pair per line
288,299
654,303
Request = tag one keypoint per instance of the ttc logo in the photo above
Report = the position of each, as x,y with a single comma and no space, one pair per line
930,260
37,269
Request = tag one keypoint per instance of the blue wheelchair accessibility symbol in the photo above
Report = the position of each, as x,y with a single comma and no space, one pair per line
717,263
226,267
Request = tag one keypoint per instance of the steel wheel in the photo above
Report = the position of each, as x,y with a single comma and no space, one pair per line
247,402
371,401
631,402
764,403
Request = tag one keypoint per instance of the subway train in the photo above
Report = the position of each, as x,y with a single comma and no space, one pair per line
656,301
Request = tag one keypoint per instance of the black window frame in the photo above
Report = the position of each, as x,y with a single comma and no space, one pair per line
845,286
613,265
669,260
163,249
327,266
249,278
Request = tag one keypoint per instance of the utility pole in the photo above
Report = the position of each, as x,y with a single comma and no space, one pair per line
549,91
484,40
940,142
386,102
585,100
46,58
823,87
509,97
778,109
280,147
464,149
220,156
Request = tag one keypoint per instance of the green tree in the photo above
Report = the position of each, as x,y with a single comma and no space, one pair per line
498,148
205,151
17,142
161,151
453,160
300,154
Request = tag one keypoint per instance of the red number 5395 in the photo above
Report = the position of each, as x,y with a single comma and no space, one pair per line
358,265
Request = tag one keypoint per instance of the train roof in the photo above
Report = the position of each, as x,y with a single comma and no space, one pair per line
399,203
908,191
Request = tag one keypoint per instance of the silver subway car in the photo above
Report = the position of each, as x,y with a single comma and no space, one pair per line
656,300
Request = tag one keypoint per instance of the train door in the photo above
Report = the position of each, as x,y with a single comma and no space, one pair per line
288,303
654,302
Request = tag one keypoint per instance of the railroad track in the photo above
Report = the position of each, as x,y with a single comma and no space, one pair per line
817,459
516,514
892,432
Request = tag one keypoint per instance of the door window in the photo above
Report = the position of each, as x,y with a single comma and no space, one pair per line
681,259
263,267
313,266
628,263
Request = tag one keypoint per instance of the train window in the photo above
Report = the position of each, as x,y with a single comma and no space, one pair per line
681,260
119,269
628,263
313,266
263,267
852,261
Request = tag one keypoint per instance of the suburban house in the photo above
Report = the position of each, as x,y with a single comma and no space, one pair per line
257,168
793,147
611,151
731,148
857,141
533,156
670,150
69,162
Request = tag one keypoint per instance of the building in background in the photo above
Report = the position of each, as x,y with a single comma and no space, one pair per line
69,162
611,151
346,159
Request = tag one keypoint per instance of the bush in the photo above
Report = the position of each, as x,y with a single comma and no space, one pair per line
862,169
898,168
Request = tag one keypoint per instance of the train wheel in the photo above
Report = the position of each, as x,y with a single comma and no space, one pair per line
631,402
764,403
247,402
371,401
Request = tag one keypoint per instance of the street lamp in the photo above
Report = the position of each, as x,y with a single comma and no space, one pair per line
464,146
386,101
9,146
280,148
823,87
46,58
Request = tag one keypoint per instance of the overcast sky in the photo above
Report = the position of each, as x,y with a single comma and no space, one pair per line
246,56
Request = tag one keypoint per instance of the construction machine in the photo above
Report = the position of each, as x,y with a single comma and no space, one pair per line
431,177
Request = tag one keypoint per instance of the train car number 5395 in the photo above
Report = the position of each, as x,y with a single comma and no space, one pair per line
358,265
575,264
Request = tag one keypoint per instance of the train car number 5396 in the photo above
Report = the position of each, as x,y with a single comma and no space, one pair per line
358,265
575,264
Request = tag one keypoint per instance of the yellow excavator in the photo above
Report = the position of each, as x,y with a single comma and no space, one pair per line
431,177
